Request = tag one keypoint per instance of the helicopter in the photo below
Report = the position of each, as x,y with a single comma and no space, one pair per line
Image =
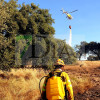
68,15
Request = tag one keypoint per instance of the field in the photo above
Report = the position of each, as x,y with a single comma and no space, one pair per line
23,84
88,70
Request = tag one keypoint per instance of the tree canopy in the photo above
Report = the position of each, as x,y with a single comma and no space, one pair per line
92,48
4,16
26,19
22,27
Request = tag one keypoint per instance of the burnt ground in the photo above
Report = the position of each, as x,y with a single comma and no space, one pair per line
94,92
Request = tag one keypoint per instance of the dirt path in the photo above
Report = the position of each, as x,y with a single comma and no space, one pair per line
94,74
93,93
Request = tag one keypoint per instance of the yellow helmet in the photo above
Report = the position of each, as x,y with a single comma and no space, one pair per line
60,62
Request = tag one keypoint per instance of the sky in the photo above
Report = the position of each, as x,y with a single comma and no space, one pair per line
85,23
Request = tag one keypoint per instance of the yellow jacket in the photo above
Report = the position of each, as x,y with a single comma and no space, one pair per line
66,82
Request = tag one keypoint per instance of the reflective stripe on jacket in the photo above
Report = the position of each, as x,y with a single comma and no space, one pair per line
66,82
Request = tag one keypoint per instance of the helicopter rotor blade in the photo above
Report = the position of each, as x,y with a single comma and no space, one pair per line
73,11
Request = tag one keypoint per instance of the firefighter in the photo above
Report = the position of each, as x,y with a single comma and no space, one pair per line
59,68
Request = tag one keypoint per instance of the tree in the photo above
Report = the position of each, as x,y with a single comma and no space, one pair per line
7,52
29,19
81,49
65,52
9,26
4,16
92,58
94,49
29,22
7,38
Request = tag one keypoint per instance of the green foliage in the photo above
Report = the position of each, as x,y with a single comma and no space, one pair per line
92,48
21,28
81,49
92,58
27,19
66,52
7,52
47,51
33,20
4,16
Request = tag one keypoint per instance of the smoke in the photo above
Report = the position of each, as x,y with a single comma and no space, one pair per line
70,38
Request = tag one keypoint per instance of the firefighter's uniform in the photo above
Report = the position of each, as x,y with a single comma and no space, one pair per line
66,82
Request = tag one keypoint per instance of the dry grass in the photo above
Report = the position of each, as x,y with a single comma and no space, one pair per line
23,84
89,64
80,84
80,75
